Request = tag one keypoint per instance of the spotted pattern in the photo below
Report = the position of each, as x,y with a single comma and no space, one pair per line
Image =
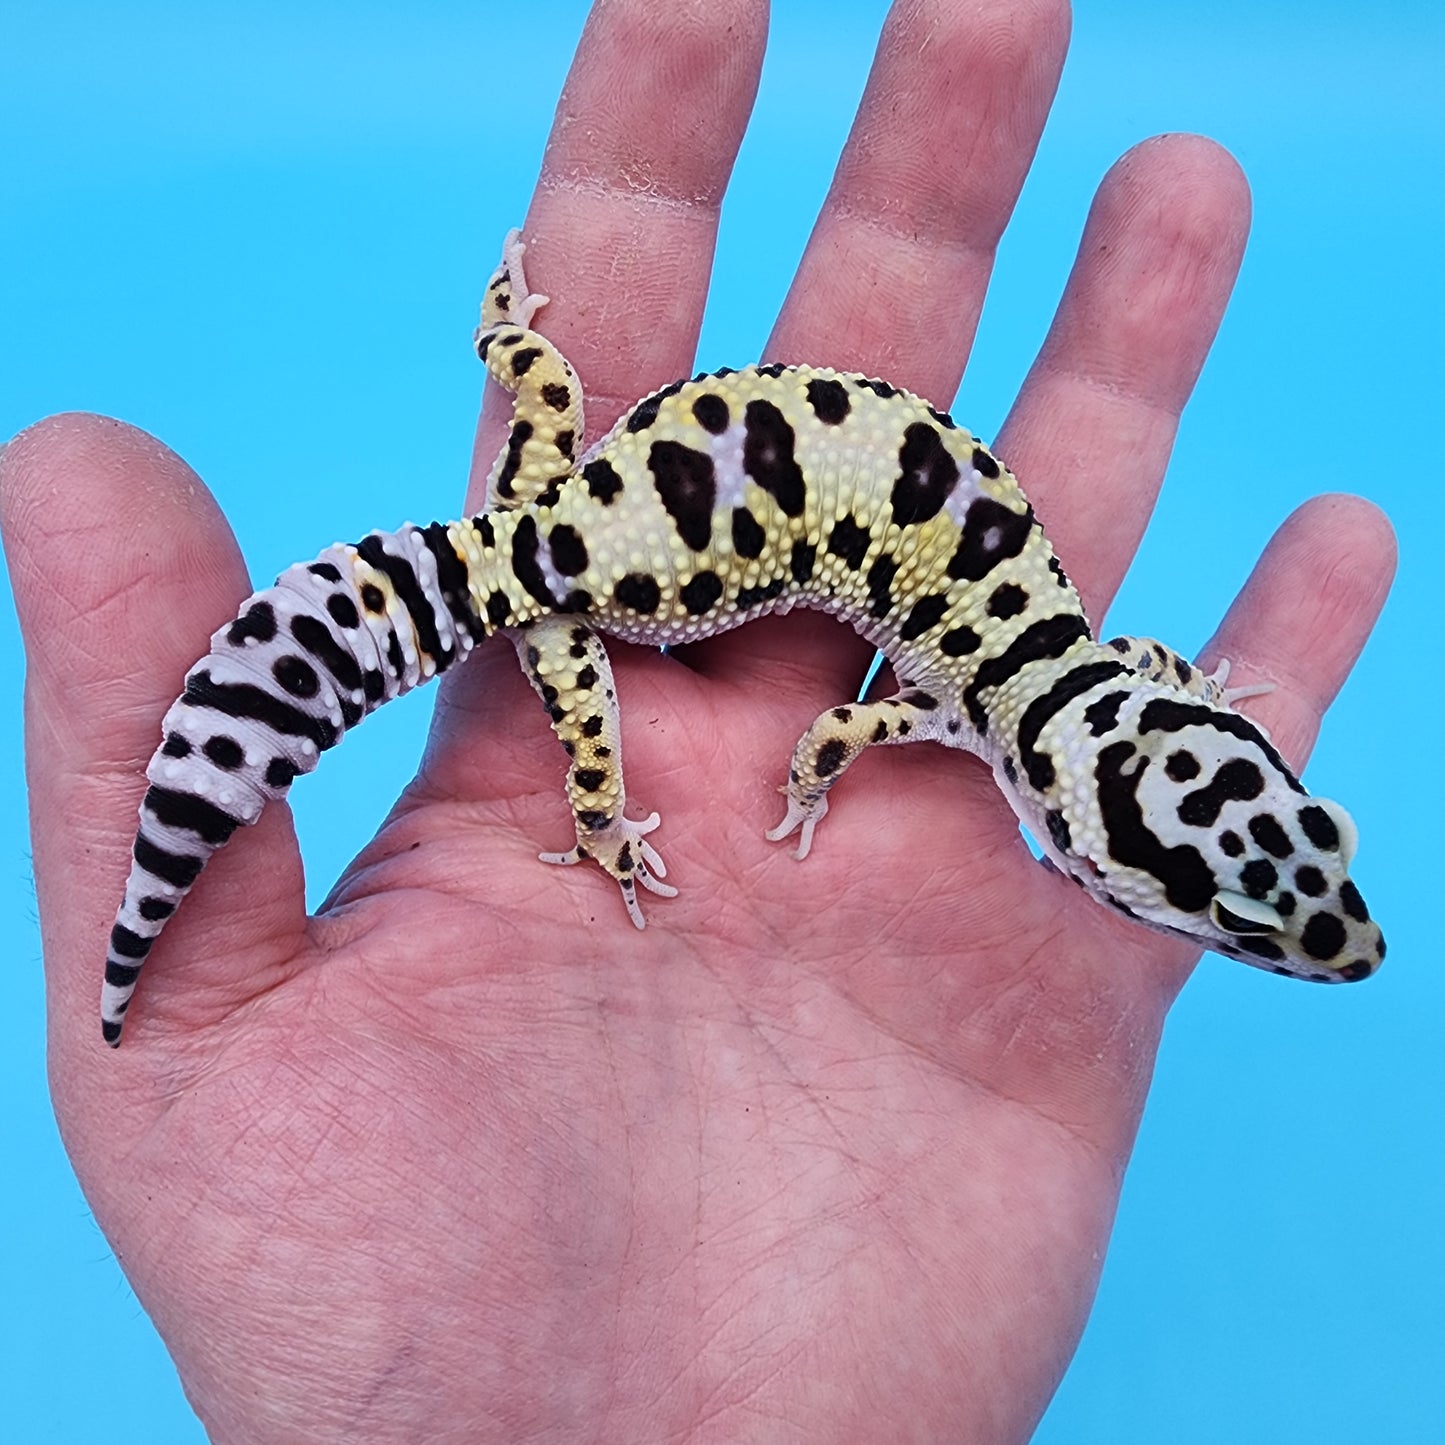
711,501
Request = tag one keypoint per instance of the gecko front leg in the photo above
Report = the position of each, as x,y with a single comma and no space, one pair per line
567,664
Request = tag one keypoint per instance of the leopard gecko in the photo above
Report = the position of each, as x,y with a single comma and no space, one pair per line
712,502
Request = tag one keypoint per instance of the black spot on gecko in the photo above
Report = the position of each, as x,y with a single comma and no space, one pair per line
1007,601
569,551
602,480
589,779
984,463
1057,568
1182,766
801,560
485,531
296,676
1352,903
644,414
155,909
1058,827
225,752
1182,671
880,582
258,621
1237,780
343,611
592,726
1189,884
564,441
638,591
499,609
829,400
878,388
1319,827
849,541
712,413
324,570
830,757
1258,877
646,411
1310,881
586,678
943,419
748,537
927,475
558,395
280,773
880,732
959,642
774,369
701,592
1102,716
768,456
687,487
1323,937
991,534
1264,828
1231,844
175,746
522,360
927,612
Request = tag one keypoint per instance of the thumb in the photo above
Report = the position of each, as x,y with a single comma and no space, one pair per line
122,566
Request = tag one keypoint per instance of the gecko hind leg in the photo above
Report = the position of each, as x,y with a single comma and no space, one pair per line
827,750
547,412
1152,659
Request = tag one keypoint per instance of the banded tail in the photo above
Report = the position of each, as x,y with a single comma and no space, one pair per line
304,660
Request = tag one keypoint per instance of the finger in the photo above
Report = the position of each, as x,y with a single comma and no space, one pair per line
622,226
122,566
1091,432
894,275
1303,616
620,233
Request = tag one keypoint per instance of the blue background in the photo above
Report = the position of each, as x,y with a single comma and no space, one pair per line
260,231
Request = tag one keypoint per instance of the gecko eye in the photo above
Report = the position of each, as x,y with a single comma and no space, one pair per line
1235,913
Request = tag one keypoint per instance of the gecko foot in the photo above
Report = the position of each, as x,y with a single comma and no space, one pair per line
622,849
799,817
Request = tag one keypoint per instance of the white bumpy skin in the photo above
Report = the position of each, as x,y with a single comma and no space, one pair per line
712,502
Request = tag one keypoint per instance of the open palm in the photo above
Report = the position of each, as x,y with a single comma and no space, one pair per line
831,1150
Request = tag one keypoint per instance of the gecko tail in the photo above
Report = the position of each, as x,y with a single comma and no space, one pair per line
304,660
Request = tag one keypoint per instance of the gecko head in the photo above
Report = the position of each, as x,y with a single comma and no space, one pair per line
1220,842
1295,912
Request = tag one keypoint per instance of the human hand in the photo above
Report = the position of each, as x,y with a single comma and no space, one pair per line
830,1145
